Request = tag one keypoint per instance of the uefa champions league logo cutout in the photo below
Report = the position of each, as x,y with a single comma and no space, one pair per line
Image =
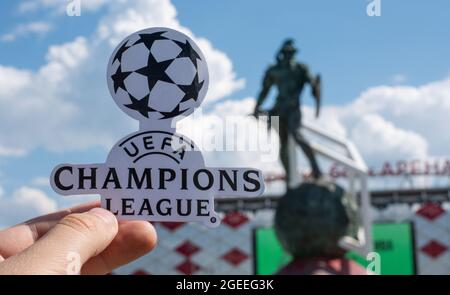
155,76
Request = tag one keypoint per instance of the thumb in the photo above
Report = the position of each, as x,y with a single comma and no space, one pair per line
75,239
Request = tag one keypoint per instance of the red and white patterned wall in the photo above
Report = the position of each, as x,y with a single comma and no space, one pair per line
194,249
432,233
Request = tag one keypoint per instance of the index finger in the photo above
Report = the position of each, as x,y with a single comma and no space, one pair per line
19,237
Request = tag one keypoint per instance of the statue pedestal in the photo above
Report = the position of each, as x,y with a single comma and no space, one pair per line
293,178
311,219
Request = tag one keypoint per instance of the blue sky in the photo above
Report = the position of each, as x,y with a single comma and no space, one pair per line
337,39
409,44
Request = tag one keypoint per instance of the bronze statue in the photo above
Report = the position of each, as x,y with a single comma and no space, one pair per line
310,218
289,76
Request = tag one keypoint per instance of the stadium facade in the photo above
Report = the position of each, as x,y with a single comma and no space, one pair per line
232,248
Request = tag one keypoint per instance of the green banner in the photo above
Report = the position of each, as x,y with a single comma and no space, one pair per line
392,241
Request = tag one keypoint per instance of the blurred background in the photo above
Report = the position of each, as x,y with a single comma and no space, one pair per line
386,88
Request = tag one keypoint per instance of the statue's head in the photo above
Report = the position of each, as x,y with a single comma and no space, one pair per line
287,51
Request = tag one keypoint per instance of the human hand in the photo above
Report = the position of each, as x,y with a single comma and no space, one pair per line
85,237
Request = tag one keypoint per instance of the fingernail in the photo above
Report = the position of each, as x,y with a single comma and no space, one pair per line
107,216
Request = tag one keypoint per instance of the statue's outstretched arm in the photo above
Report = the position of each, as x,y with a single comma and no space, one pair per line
267,83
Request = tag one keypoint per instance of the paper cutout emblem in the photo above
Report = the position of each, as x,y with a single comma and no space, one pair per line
156,75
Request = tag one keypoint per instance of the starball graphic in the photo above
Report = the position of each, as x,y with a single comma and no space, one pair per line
156,76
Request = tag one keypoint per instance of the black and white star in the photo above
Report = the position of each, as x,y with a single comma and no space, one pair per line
173,113
191,91
155,71
120,51
149,39
140,105
119,79
188,51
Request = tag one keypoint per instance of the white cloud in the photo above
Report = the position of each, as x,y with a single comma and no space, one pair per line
414,118
230,137
63,59
65,105
394,122
380,139
11,152
13,80
23,204
58,6
35,199
223,80
38,28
